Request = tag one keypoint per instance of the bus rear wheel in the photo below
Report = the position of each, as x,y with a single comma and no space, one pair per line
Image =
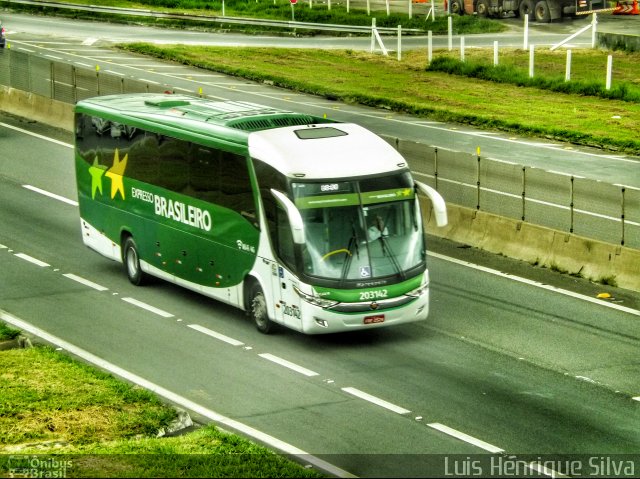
258,310
131,260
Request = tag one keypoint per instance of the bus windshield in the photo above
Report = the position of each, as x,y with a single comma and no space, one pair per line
360,229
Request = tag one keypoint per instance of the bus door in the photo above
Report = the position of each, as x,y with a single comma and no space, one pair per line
284,295
286,300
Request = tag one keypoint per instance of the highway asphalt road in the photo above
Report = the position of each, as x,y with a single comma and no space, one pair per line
505,366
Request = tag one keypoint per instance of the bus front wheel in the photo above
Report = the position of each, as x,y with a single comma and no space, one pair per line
258,310
131,260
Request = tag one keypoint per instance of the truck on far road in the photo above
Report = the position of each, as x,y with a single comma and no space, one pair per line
543,11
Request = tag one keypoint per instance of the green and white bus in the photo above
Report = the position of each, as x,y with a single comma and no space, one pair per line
296,219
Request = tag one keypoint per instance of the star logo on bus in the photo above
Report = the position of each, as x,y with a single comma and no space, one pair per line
96,171
115,173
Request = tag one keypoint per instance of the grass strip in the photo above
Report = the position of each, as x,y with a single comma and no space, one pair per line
406,86
70,418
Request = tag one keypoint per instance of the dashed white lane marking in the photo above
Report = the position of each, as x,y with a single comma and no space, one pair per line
214,334
466,438
375,400
33,260
86,282
3,246
148,307
51,195
636,398
260,436
288,364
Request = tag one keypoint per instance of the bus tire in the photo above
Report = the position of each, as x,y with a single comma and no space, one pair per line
131,260
258,309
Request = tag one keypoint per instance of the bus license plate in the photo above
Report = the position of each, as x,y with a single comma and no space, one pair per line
378,318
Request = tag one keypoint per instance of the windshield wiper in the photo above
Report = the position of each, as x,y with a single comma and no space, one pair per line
386,247
353,241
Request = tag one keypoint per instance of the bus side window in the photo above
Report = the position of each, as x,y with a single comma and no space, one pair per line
203,173
143,161
173,163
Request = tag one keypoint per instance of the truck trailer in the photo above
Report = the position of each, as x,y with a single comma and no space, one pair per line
543,11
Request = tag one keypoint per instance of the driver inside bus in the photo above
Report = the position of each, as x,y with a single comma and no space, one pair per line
378,229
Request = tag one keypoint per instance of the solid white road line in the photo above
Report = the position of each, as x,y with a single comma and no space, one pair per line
36,135
51,195
288,364
177,399
541,469
530,282
376,400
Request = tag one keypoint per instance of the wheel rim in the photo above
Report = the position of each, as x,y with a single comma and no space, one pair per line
259,309
132,262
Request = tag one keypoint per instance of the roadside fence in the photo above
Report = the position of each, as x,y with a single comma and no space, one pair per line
569,203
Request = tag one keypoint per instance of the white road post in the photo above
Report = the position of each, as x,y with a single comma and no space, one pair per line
495,53
567,71
429,46
373,29
531,55
450,30
609,70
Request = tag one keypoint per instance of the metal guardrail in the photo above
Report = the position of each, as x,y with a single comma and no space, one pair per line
212,19
588,208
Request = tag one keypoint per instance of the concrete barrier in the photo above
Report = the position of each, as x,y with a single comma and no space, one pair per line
565,252
36,107
624,41
595,260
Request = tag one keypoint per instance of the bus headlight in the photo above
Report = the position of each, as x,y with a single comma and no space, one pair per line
416,293
315,300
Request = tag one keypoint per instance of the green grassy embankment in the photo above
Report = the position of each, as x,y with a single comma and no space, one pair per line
90,424
576,114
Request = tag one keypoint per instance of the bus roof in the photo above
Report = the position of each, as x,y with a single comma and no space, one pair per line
182,111
329,149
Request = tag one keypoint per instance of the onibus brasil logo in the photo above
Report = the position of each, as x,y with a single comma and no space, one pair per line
174,210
